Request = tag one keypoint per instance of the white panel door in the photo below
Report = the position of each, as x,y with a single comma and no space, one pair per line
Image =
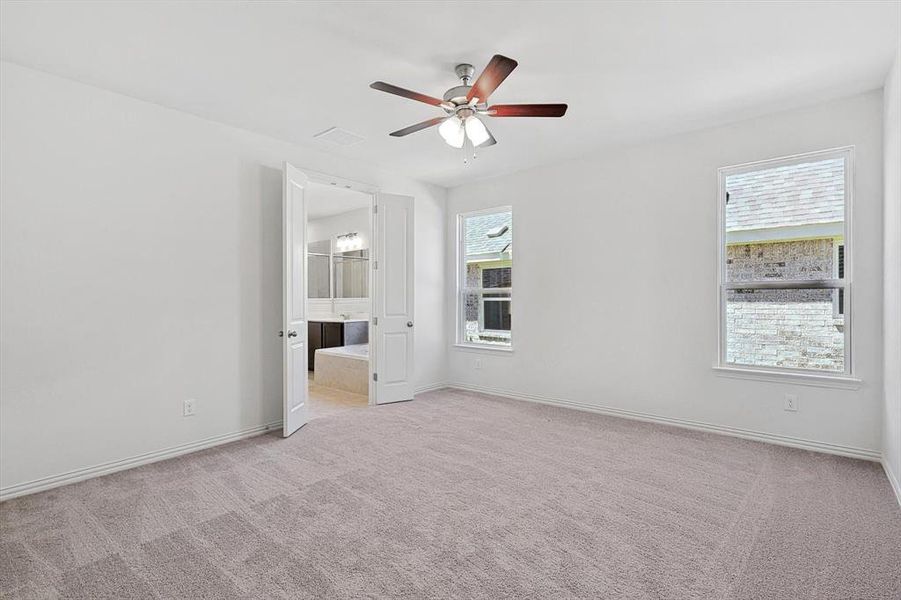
294,288
394,299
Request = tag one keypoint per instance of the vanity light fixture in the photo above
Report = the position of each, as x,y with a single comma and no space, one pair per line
349,241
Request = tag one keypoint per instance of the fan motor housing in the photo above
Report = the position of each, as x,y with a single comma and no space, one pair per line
457,94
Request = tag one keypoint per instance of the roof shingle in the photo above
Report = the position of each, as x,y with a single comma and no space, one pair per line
800,194
477,227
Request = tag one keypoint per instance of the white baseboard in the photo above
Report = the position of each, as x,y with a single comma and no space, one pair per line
429,388
896,485
759,436
46,483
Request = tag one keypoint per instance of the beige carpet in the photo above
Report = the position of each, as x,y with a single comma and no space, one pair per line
457,495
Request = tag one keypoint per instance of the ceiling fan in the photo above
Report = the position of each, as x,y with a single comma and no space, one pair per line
465,104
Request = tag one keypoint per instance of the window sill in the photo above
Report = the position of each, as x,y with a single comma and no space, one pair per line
485,347
841,382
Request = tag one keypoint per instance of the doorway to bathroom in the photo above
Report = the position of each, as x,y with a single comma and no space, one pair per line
348,297
338,307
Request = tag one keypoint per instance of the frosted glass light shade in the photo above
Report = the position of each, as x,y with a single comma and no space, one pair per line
476,131
452,131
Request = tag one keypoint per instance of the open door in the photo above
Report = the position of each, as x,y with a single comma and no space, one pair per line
294,297
393,372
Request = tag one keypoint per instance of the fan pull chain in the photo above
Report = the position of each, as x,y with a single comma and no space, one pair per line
469,152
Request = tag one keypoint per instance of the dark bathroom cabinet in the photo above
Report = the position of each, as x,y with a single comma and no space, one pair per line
331,334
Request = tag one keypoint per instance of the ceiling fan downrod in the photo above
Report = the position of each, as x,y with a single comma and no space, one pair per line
465,72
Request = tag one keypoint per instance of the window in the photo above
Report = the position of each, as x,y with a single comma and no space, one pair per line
784,276
485,280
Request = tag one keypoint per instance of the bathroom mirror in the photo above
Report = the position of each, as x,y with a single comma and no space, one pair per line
318,275
351,274
335,274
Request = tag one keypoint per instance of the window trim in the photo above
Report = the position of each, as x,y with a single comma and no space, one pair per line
847,154
461,289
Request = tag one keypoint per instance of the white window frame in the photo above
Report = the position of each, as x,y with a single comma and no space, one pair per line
773,372
461,290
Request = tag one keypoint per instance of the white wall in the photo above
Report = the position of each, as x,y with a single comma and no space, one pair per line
328,228
615,280
141,266
891,435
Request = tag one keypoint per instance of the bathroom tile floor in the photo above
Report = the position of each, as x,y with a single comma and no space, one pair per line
325,401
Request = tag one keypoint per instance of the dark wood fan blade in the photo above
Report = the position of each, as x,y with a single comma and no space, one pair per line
417,127
493,75
399,91
527,110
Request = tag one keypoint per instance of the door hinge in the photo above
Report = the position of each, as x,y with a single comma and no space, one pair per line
375,321
375,376
375,209
375,265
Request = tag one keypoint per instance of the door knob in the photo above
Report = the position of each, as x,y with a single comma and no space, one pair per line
281,334
409,323
292,334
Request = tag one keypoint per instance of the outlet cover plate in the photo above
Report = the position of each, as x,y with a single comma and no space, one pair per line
189,408
791,402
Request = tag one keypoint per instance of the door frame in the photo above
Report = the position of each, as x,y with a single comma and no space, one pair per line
372,191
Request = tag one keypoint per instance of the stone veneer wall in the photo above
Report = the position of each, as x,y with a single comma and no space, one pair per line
785,328
473,280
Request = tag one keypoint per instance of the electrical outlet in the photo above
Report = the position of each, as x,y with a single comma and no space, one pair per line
478,364
189,408
791,402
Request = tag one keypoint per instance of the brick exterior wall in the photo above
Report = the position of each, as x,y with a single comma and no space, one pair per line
804,259
785,328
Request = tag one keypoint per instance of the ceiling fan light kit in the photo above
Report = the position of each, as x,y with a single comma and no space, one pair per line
452,131
476,131
464,104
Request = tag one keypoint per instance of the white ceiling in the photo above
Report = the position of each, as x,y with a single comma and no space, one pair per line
325,201
629,71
